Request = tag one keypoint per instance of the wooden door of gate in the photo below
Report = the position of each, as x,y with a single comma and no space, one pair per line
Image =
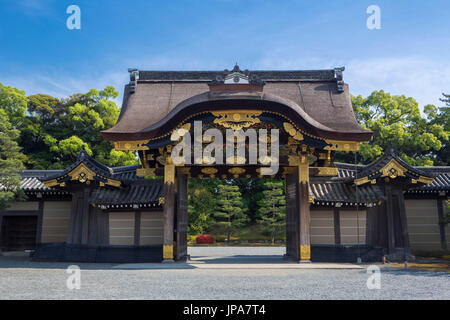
181,218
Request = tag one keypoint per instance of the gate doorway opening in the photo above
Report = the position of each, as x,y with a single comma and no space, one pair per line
232,218
236,220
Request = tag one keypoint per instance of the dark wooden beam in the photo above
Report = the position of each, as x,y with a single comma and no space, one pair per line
292,218
337,225
1,228
404,224
440,208
85,217
168,212
39,222
137,227
182,217
390,220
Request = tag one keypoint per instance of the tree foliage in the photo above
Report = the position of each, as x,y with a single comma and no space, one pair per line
201,202
272,208
229,214
10,162
396,121
53,131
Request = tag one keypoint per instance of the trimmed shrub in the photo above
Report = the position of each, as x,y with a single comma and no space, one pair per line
205,239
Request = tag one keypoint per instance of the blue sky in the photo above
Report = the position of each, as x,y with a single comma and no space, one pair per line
409,55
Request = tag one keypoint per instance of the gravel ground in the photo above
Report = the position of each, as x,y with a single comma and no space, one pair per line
22,279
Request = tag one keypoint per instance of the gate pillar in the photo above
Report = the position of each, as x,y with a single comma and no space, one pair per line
304,208
169,210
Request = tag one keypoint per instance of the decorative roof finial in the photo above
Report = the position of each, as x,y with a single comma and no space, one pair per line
338,75
134,77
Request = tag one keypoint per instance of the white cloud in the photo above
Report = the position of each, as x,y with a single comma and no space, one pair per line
423,79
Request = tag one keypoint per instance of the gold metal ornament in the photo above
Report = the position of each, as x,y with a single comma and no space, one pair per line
237,119
236,171
289,128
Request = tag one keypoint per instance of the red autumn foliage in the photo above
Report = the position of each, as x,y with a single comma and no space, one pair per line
205,239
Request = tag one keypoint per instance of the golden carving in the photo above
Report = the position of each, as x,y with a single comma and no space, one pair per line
327,171
131,145
180,132
305,252
425,180
297,135
82,174
51,183
311,199
342,145
236,119
161,200
211,171
393,169
169,173
145,172
168,252
293,161
303,170
236,171
361,180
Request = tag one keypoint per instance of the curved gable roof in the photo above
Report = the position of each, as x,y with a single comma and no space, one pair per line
316,99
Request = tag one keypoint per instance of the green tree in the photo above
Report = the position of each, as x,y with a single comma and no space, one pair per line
53,131
272,208
229,214
14,103
441,116
10,162
251,191
396,121
201,204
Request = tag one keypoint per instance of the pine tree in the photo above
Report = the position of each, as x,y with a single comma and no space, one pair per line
229,213
10,162
272,208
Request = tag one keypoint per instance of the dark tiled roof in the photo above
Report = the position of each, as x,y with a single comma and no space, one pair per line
124,173
266,75
83,158
140,192
316,100
441,181
389,155
441,174
339,191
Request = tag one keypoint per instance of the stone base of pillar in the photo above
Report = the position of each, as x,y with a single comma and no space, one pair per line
168,261
304,261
